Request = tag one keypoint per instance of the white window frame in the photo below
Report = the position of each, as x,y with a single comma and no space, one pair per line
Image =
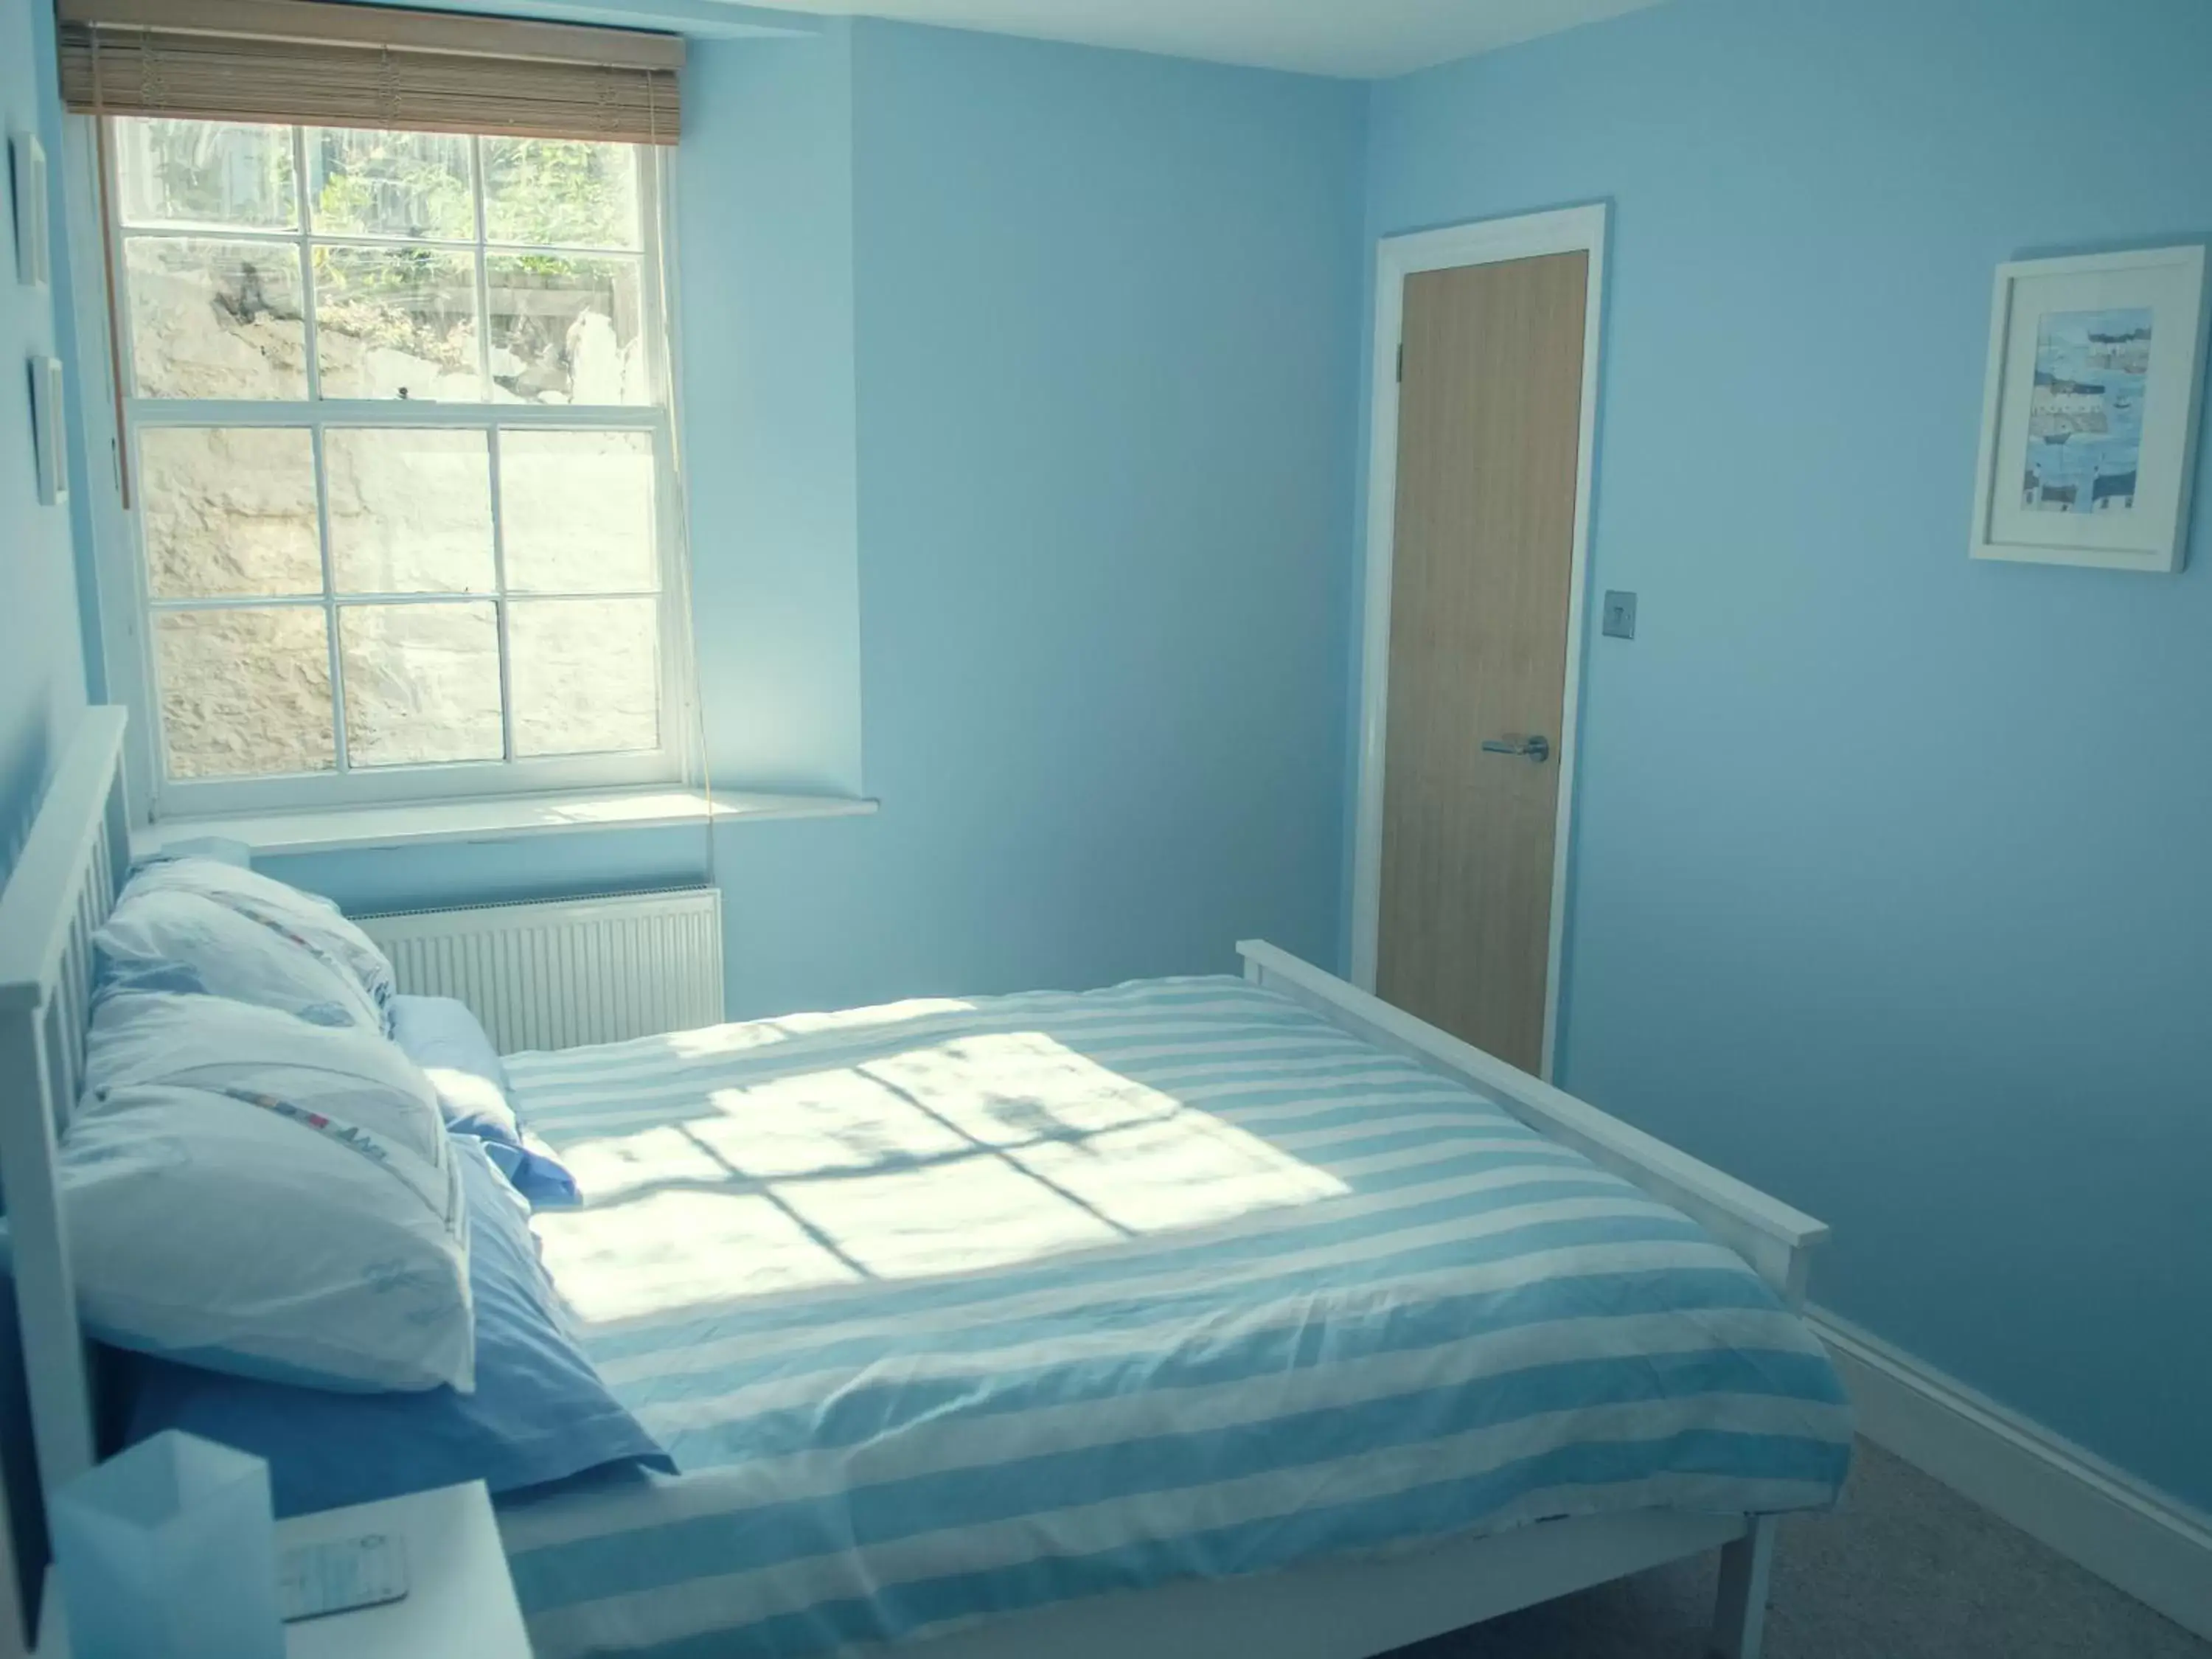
127,605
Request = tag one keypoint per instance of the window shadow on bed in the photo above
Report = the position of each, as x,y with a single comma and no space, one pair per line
926,1158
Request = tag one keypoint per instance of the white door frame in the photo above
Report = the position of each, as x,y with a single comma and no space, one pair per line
1491,241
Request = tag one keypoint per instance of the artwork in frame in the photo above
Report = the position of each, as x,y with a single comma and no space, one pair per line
2089,420
26,174
49,443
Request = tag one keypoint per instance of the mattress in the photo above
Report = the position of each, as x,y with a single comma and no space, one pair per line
948,1310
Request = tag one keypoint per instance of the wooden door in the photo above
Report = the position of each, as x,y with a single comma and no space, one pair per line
1489,431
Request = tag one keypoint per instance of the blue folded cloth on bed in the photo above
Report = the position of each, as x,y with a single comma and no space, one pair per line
451,1045
539,1414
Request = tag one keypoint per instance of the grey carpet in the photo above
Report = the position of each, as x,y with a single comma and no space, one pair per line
1905,1570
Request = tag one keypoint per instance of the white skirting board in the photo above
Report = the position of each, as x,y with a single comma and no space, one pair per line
2133,1537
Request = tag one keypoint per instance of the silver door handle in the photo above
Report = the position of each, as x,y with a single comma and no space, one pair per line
1537,749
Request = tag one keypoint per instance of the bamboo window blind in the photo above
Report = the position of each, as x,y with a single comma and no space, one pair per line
319,63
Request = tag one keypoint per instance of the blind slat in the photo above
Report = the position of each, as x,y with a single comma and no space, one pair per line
124,69
335,24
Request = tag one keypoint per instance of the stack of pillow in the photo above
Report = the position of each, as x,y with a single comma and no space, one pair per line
301,1203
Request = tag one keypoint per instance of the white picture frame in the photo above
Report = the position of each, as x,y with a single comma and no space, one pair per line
27,172
2089,415
48,441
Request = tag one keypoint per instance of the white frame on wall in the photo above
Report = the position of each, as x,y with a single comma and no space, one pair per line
1491,241
2171,279
26,170
49,438
125,606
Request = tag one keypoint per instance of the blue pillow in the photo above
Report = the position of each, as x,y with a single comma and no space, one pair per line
540,1413
445,1039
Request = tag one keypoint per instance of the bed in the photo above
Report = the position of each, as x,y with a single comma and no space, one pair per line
1176,1316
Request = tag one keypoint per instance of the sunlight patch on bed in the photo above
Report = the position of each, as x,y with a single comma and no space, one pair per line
760,1033
676,1249
953,1156
812,1124
608,1166
821,1121
1010,1088
951,1217
1191,1171
1069,1155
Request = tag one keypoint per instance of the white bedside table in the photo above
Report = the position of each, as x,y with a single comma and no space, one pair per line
459,1602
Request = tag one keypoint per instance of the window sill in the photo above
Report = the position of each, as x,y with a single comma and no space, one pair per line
495,818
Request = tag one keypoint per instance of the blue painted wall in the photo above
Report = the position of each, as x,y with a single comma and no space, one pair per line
1099,347
41,666
770,397
1891,894
1106,366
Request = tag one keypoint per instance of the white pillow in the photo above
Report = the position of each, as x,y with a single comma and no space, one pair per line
313,921
250,1192
165,937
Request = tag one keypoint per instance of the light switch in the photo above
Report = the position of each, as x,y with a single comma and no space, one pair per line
1619,614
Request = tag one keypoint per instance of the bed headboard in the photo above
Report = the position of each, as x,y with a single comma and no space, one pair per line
61,891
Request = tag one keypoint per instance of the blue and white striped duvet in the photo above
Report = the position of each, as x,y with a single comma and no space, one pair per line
948,1310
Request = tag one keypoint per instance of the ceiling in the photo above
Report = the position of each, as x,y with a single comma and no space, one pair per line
1363,38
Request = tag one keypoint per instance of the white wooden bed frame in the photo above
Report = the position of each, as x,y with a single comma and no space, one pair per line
65,885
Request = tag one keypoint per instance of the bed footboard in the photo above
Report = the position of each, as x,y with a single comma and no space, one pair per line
1775,1239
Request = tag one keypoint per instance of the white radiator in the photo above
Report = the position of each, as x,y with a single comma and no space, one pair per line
568,971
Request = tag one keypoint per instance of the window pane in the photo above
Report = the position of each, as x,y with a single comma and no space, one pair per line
554,193
390,184
421,683
397,322
565,328
410,510
497,588
227,511
205,172
245,691
216,319
585,675
576,509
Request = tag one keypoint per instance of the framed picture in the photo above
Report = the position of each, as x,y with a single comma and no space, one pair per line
2089,419
27,176
49,443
